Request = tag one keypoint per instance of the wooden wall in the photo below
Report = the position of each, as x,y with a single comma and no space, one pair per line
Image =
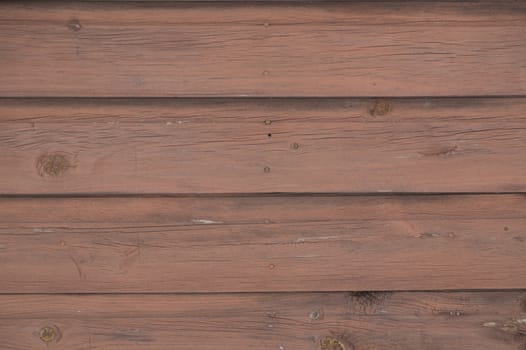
266,175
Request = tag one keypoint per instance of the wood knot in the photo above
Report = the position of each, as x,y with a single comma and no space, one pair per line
380,108
74,25
333,343
316,315
53,165
49,333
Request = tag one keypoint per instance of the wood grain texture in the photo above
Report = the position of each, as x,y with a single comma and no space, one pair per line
268,243
262,49
257,146
358,321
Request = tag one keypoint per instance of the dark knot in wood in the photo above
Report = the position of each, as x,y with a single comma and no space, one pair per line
53,165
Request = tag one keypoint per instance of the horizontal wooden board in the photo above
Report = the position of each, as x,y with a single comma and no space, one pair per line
349,321
262,145
262,49
268,243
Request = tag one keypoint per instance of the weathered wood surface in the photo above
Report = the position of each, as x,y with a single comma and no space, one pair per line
281,145
250,244
357,321
262,49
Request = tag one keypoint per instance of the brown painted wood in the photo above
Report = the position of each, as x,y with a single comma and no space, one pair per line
374,321
281,145
264,49
228,244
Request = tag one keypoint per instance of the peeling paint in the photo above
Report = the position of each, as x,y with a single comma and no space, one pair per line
514,327
206,221
315,239
42,230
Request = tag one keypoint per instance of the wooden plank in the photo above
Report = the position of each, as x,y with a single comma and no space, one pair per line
262,49
280,145
374,321
268,243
